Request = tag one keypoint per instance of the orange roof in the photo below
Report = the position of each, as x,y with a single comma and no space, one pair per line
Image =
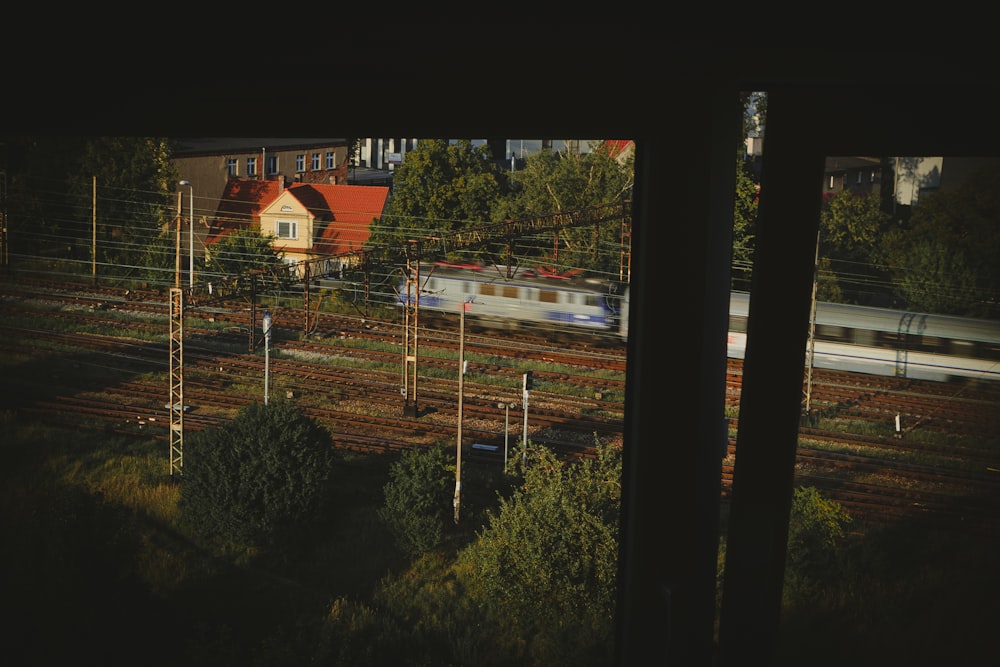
344,213
618,147
240,206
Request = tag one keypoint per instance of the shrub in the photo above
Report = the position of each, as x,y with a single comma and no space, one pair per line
258,479
418,498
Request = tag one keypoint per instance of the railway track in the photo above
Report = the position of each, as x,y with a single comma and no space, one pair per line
346,373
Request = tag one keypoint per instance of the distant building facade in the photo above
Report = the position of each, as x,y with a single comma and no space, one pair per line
209,164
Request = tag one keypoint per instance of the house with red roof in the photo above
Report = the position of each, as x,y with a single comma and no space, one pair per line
240,206
312,220
306,220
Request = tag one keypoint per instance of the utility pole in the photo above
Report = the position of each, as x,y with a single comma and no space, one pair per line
93,233
177,252
176,405
812,331
411,307
4,253
267,353
524,397
461,385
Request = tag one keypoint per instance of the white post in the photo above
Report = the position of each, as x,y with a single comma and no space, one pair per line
506,429
524,443
506,433
267,352
458,444
191,242
191,258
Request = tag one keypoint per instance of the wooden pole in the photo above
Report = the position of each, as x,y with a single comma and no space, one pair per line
458,445
177,262
93,240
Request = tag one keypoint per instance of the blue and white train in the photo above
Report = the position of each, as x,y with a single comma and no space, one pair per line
885,341
861,339
563,304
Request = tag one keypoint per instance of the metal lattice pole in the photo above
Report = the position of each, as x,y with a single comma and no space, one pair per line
410,346
176,405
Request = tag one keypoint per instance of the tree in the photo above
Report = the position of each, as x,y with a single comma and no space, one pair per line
53,205
257,479
943,259
439,188
816,527
851,229
546,565
563,182
744,220
135,177
418,498
241,251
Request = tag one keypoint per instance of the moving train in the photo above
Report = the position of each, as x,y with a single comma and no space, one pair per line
566,304
862,339
884,341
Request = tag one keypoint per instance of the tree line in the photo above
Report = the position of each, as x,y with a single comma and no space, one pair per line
939,257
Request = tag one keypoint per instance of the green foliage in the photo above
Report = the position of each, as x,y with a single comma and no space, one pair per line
440,187
934,279
135,177
944,258
241,251
554,182
545,569
62,186
817,527
850,233
744,218
418,498
258,479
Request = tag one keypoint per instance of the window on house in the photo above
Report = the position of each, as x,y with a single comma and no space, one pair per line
300,162
831,182
315,162
232,167
251,166
272,165
331,160
287,229
859,178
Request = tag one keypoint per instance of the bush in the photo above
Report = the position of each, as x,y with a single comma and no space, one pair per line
419,499
816,528
259,479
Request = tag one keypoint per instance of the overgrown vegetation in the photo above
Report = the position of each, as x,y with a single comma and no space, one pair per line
102,557
258,480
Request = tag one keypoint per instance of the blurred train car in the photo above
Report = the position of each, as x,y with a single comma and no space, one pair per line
861,339
563,304
890,342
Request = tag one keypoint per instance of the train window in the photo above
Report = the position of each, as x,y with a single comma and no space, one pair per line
832,332
962,348
932,344
738,323
488,290
548,296
989,351
868,337
510,291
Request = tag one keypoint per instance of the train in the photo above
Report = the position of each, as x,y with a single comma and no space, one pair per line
564,304
890,342
863,339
